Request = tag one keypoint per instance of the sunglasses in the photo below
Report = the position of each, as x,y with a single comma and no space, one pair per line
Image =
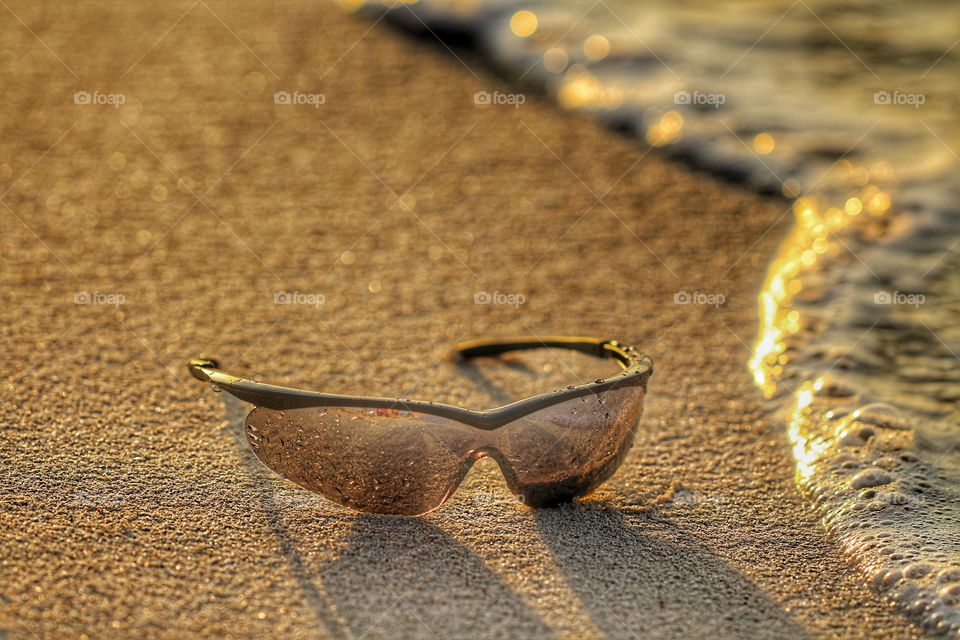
407,457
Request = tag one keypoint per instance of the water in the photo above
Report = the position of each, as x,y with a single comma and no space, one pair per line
848,109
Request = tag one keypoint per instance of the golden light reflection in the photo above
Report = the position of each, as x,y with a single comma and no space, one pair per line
582,89
666,130
834,218
879,204
806,448
523,23
763,143
808,241
596,47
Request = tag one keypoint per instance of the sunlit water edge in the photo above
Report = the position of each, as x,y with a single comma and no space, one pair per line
856,346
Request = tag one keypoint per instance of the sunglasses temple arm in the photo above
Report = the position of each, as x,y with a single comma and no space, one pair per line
590,346
197,366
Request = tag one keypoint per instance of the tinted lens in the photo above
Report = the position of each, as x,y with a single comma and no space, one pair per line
375,460
559,453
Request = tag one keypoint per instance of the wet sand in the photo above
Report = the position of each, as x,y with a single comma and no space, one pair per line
131,506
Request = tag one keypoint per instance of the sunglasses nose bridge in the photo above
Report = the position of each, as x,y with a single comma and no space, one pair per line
481,452
489,451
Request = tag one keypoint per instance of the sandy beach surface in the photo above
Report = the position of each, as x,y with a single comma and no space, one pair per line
138,235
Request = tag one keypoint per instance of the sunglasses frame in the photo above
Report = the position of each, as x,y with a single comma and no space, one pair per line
637,369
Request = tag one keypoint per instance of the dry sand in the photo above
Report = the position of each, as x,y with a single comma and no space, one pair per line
130,504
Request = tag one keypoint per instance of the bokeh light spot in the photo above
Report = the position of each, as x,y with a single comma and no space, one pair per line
523,23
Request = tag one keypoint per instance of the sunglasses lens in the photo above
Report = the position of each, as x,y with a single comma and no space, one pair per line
562,452
374,460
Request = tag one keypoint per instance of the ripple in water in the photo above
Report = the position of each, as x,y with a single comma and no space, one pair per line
847,109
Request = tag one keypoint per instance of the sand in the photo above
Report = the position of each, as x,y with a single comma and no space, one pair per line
131,505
